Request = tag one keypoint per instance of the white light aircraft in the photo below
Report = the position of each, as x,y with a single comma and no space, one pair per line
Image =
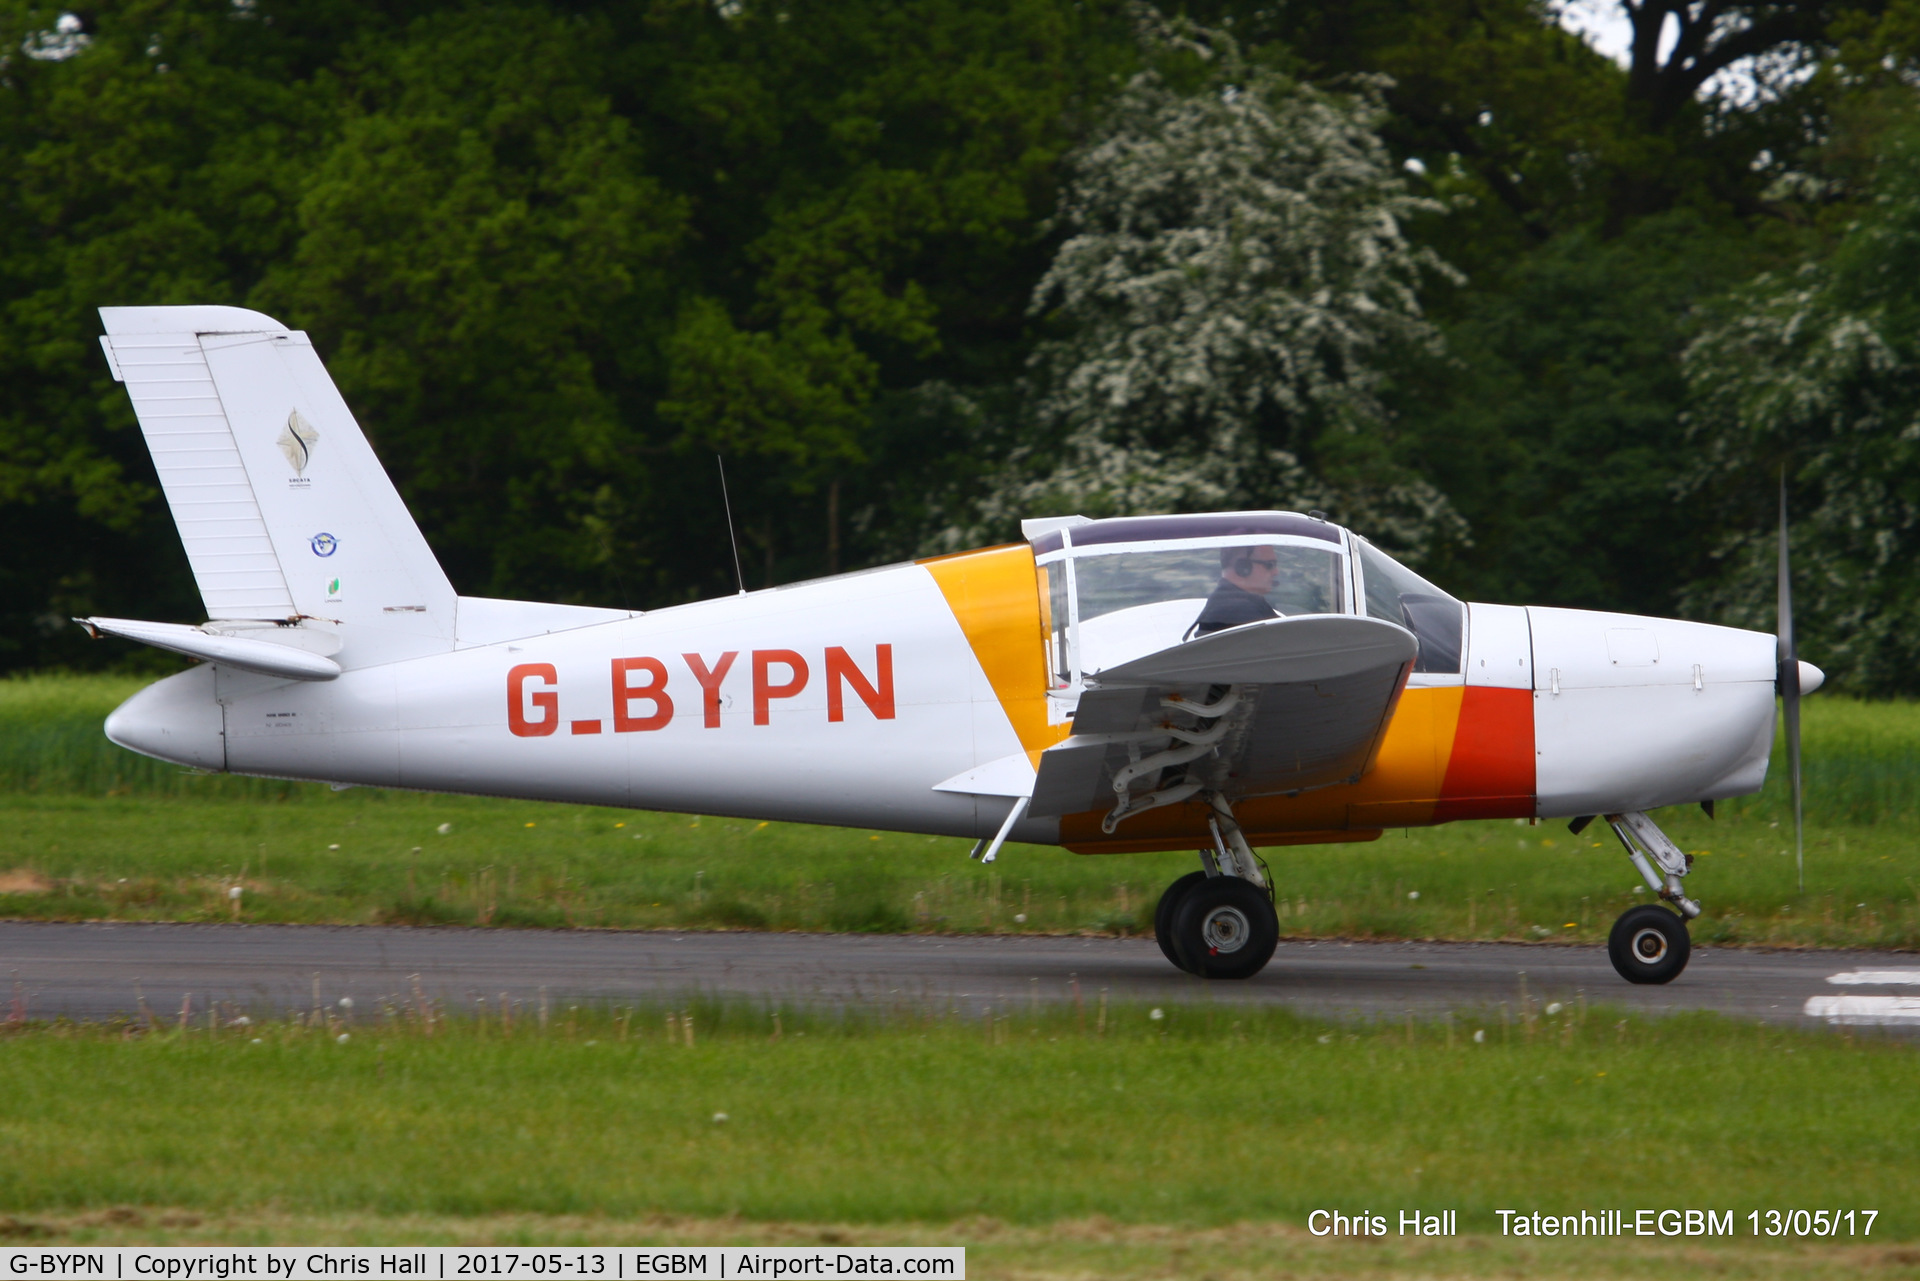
1218,682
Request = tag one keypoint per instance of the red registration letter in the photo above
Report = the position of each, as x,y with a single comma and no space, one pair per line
840,666
654,691
710,682
545,699
765,691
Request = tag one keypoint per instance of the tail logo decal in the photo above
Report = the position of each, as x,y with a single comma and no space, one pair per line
297,442
324,544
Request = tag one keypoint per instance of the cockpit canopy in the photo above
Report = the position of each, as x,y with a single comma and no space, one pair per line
1119,589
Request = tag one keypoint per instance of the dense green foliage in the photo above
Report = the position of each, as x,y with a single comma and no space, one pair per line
1549,322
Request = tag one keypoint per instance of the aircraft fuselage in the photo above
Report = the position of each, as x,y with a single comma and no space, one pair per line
877,699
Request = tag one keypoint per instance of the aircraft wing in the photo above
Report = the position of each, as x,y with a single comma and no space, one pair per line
1276,706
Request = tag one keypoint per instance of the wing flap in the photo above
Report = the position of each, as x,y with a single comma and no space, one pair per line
1276,706
1279,651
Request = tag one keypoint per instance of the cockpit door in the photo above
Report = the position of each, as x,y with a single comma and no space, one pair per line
1109,605
1114,591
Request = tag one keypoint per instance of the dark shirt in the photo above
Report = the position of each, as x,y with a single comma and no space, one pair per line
1230,606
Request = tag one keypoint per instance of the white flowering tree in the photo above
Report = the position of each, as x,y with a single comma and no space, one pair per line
1236,271
1814,373
1799,379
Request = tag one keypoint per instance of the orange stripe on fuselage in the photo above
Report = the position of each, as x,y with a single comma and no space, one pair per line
995,596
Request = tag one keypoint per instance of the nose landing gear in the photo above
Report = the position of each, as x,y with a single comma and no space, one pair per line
1649,944
1219,923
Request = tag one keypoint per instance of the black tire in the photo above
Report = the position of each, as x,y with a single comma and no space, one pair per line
1163,914
1225,928
1649,944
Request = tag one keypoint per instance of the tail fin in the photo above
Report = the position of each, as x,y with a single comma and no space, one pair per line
284,509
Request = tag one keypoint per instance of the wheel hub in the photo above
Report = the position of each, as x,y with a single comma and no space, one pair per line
1226,929
1649,946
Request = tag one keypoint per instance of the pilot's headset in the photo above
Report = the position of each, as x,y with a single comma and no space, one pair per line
1237,560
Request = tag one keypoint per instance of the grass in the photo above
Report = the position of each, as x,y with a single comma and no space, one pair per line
1052,1142
922,1124
1071,1250
94,832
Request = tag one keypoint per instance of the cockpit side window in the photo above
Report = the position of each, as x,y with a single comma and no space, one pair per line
1401,596
1129,601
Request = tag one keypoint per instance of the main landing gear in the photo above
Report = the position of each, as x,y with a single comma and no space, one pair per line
1219,923
1649,943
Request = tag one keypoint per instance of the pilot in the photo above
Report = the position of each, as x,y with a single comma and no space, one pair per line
1246,577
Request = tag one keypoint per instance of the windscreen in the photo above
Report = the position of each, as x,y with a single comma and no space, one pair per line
1401,596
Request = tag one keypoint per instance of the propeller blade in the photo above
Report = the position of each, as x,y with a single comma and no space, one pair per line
1789,684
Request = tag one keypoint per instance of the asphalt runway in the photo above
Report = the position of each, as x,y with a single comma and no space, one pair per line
97,971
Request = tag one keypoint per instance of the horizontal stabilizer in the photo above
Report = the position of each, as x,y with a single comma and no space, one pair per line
268,657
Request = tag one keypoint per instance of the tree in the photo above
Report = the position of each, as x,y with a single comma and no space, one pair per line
477,251
1553,423
1680,46
148,156
1235,271
1813,373
1501,103
1592,226
553,254
867,184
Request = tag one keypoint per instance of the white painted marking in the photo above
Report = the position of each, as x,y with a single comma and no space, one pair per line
1859,978
1864,1009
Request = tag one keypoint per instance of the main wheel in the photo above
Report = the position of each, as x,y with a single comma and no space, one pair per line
1649,944
1163,914
1225,928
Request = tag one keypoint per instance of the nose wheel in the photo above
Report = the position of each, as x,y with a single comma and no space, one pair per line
1649,944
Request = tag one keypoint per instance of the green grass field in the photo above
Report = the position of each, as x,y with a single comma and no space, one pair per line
1057,1142
91,831
395,1124
1067,1249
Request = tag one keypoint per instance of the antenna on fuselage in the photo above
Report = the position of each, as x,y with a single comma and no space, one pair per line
732,537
